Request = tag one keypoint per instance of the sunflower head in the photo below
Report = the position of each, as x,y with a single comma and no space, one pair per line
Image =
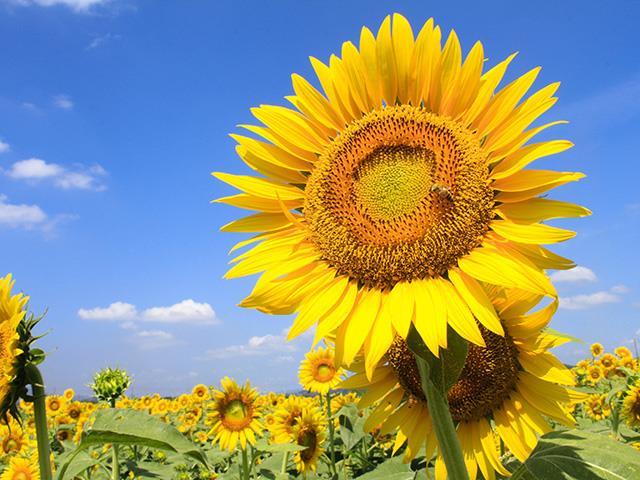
595,373
388,195
596,349
235,415
16,348
597,407
21,468
200,393
309,431
631,406
623,352
286,417
318,371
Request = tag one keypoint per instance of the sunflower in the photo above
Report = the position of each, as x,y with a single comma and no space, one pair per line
595,373
309,432
596,349
623,352
597,406
286,417
503,391
631,407
235,415
12,311
56,405
318,372
21,469
69,393
200,393
608,362
388,195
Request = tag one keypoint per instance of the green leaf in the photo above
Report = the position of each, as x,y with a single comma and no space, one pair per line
82,462
393,469
131,427
443,371
263,446
351,426
579,455
151,470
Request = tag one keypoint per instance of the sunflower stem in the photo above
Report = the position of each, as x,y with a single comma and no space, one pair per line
245,464
443,424
285,461
40,417
332,449
115,454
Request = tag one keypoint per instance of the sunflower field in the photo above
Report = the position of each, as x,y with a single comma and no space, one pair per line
393,215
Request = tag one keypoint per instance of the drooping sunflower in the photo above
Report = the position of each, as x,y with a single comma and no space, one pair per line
309,431
235,417
504,390
21,469
318,372
12,311
386,195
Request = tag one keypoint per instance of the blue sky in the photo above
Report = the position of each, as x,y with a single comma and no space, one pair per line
114,113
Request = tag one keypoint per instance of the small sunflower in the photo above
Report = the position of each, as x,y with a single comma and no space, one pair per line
623,352
235,415
200,393
631,407
12,311
608,362
389,194
309,432
597,406
69,393
595,373
504,391
318,372
21,469
56,405
596,349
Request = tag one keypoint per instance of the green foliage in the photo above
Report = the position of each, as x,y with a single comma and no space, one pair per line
579,455
130,427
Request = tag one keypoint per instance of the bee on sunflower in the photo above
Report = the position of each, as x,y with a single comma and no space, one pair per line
385,198
505,390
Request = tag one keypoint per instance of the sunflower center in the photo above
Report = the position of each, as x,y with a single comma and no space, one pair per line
324,372
487,379
21,476
307,438
401,194
236,411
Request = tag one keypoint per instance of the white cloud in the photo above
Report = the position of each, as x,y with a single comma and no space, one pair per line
4,147
79,177
117,311
63,102
585,301
76,5
21,215
577,274
255,347
152,339
187,311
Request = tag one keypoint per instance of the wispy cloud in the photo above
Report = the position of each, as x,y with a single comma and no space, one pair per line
102,40
80,6
153,339
63,102
14,215
577,274
4,146
602,297
80,177
258,346
184,312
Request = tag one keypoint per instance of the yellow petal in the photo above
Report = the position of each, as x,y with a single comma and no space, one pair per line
403,51
261,187
459,316
377,344
536,233
316,103
260,222
538,209
524,156
360,323
476,298
386,60
399,306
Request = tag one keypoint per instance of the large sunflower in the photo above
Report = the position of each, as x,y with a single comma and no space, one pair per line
21,469
318,372
503,391
12,311
396,187
235,415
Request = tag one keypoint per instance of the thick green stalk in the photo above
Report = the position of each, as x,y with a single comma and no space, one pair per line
285,461
443,425
40,417
332,448
115,454
245,464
